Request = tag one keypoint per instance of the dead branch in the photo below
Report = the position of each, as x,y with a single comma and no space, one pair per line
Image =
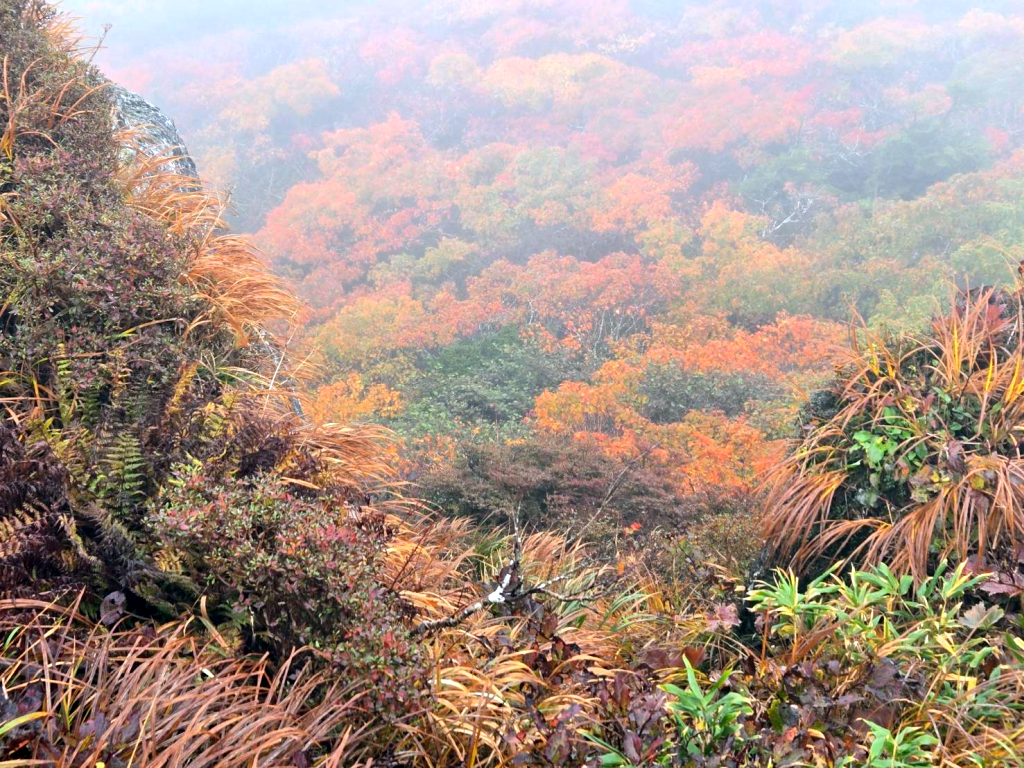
510,588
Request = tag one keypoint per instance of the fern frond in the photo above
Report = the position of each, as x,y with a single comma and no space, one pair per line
125,478
168,560
185,378
17,527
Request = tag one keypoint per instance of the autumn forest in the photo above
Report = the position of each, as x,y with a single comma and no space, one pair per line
531,231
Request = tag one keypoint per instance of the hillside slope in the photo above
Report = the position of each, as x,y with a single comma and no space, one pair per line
192,574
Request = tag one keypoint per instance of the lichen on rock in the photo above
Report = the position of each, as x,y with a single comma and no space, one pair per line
155,133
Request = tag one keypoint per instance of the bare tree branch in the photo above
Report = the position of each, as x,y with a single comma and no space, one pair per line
509,588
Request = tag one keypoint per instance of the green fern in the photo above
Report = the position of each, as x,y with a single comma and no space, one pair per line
215,422
123,483
186,375
92,402
67,396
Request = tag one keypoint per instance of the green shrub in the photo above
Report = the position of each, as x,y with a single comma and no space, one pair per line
555,482
876,651
919,456
488,381
704,723
287,568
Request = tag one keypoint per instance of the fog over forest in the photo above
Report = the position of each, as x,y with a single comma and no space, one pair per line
571,320
731,163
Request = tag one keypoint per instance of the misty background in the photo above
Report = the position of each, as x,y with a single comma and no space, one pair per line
530,226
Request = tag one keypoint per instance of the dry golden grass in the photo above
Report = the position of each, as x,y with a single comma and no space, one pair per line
223,269
34,106
967,739
484,684
179,695
161,697
354,456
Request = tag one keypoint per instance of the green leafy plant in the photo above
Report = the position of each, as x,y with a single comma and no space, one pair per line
706,720
912,653
907,748
703,722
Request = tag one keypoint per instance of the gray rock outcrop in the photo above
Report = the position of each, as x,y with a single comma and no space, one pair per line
157,134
